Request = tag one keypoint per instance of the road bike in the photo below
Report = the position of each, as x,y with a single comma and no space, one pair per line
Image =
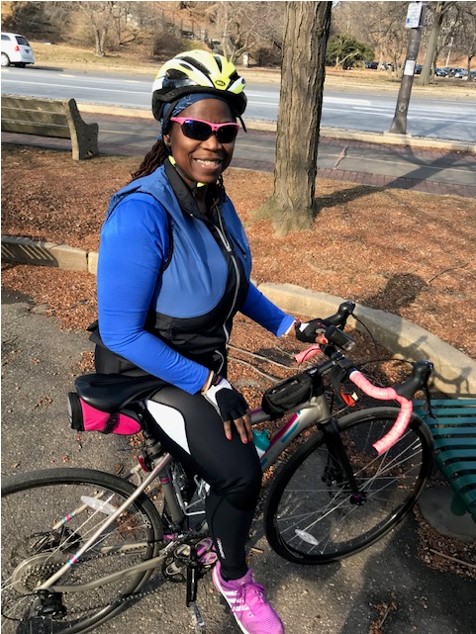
79,545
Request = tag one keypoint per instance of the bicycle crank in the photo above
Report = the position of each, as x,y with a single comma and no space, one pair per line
178,560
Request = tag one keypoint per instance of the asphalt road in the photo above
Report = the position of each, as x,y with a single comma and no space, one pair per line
39,364
371,110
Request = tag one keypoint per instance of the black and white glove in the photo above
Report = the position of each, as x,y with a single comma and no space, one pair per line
309,331
232,407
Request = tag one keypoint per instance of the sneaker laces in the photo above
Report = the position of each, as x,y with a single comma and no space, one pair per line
251,594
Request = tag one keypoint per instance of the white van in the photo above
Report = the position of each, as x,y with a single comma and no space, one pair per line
16,50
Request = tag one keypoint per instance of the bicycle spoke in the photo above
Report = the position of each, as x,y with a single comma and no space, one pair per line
315,512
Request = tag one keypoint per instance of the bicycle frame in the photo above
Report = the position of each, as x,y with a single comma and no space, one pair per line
315,411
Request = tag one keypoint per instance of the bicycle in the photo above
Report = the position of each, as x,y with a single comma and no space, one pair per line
93,541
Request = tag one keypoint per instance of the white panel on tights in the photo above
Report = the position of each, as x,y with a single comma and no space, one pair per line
170,421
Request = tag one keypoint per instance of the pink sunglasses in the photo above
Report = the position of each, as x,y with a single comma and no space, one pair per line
200,130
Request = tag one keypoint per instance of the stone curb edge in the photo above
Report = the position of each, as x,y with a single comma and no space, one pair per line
455,372
385,138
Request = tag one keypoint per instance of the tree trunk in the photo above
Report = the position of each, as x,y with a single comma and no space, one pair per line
430,57
292,204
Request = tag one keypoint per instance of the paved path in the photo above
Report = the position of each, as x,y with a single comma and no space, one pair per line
384,166
373,162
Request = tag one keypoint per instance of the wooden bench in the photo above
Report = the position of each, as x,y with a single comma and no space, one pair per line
454,436
50,118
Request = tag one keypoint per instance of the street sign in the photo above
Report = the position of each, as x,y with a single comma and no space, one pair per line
413,15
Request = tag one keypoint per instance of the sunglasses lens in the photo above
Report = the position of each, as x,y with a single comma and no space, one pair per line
196,130
201,131
227,134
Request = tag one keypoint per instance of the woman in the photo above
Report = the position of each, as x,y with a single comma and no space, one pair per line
174,268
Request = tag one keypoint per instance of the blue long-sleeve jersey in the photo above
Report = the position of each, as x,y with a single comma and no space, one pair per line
167,282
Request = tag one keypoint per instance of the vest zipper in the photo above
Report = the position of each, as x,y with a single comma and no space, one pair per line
221,233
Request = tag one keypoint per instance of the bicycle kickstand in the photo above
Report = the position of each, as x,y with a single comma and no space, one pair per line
192,585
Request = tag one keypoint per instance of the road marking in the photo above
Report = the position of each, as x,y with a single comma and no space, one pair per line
346,100
16,81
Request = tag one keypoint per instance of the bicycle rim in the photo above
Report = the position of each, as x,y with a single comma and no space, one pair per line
46,517
311,516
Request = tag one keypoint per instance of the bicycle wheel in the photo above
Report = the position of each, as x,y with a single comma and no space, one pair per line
46,517
310,514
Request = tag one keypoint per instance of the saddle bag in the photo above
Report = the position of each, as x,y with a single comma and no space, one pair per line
84,417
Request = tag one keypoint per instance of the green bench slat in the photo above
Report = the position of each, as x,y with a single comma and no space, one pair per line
456,447
453,468
454,436
460,437
453,422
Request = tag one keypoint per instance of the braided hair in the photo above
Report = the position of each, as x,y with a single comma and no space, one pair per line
154,158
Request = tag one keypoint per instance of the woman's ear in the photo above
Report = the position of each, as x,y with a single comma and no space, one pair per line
166,139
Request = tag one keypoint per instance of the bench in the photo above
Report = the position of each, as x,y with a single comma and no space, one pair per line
454,436
50,118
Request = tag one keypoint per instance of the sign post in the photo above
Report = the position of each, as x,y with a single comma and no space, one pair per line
414,22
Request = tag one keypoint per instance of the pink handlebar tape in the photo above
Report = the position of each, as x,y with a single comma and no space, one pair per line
385,394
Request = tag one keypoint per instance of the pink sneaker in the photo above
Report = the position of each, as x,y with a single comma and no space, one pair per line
248,604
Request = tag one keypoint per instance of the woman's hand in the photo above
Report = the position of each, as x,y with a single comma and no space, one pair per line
232,407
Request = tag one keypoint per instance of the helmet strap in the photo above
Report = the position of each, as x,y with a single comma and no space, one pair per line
195,184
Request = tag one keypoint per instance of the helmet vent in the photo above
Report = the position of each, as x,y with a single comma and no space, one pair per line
196,64
174,73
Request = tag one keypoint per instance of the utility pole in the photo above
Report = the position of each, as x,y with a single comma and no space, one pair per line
414,23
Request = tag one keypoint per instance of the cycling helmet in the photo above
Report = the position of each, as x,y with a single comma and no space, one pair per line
198,71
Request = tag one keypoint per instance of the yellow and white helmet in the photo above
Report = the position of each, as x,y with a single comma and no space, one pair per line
198,71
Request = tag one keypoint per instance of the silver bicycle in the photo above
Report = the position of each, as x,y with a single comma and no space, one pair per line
79,545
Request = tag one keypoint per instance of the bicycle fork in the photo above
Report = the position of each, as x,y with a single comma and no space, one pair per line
339,468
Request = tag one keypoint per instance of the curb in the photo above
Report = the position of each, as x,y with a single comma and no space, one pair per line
455,372
384,138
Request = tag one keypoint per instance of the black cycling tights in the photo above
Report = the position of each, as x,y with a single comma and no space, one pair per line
192,430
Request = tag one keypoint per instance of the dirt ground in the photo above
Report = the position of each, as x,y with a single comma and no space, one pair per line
408,253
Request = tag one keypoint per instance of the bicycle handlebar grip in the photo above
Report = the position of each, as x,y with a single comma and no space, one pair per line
419,378
343,312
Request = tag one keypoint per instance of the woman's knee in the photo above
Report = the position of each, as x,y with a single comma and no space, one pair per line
244,488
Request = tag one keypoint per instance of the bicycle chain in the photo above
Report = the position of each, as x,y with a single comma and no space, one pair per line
52,568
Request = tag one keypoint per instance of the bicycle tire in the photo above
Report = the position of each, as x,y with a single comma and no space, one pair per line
59,492
328,526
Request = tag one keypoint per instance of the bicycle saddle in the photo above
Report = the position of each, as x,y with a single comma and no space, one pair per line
112,392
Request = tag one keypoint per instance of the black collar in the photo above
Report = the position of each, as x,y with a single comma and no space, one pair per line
185,196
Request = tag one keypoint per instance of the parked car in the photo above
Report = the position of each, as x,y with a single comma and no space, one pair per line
440,72
455,72
418,69
16,50
372,65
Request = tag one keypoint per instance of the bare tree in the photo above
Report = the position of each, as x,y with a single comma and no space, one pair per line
440,11
100,17
292,204
466,32
380,24
241,27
